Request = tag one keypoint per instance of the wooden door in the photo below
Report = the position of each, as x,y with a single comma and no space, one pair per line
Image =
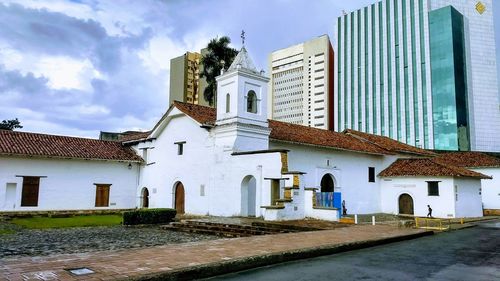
179,198
405,204
29,197
102,195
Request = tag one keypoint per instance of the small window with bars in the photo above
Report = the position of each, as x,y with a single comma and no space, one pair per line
180,147
433,188
371,174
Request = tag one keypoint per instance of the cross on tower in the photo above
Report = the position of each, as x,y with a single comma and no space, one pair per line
243,37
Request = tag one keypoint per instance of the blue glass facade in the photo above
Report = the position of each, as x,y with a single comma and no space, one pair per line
448,74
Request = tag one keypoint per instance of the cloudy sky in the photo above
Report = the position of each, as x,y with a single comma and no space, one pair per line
81,66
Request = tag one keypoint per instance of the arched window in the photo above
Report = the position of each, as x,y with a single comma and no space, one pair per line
228,103
252,102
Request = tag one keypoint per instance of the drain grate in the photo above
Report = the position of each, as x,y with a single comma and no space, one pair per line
80,271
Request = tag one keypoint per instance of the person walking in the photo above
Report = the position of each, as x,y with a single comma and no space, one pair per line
344,210
429,215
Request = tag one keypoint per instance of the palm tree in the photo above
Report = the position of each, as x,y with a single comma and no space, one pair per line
218,56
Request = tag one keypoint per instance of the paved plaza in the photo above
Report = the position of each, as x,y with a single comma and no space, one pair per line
43,242
172,259
471,254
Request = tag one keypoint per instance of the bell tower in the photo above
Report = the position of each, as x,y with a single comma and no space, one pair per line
242,106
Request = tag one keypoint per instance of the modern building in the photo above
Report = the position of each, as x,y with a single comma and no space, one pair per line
185,79
301,86
421,72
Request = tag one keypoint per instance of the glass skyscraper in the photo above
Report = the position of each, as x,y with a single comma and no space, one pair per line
419,71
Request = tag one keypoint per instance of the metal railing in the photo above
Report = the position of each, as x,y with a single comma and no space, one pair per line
324,200
430,223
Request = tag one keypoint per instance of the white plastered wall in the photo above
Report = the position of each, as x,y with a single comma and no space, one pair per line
349,169
443,206
203,164
68,184
468,198
490,189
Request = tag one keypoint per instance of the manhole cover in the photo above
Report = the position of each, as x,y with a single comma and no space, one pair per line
80,271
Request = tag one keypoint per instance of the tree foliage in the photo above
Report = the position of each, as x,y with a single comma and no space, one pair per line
10,124
219,56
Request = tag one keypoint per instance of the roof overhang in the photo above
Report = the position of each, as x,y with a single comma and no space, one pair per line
68,158
330,147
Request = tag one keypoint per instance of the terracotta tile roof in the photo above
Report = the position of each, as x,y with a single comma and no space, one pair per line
290,132
133,136
202,114
427,167
468,159
307,135
390,144
52,146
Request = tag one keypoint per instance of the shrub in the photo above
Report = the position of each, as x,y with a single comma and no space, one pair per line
148,216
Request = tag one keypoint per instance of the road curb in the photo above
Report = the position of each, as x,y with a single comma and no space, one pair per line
230,266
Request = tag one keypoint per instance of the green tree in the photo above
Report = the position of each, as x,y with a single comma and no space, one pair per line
10,125
219,56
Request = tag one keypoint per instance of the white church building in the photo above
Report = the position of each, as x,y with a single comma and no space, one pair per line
233,161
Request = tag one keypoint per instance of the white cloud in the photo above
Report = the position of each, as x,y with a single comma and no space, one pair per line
156,56
34,125
10,57
67,73
63,72
115,16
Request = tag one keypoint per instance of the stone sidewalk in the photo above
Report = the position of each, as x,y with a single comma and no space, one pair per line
202,259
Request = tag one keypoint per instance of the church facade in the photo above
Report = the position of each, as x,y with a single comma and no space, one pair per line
233,161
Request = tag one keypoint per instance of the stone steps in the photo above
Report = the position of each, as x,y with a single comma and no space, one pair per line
232,228
224,229
284,227
203,231
267,230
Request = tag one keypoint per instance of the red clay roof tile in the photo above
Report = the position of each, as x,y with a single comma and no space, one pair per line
134,136
427,167
468,159
282,131
42,145
202,114
390,144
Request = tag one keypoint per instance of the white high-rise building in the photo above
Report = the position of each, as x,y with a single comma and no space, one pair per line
301,86
420,71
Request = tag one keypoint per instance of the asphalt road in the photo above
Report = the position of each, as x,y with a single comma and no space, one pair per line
468,254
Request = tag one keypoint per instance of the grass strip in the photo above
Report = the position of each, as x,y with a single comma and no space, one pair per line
76,221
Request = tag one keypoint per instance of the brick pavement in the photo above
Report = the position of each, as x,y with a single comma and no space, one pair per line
123,264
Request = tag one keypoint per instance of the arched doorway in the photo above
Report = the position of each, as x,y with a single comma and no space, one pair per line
327,184
405,204
179,198
145,198
248,196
